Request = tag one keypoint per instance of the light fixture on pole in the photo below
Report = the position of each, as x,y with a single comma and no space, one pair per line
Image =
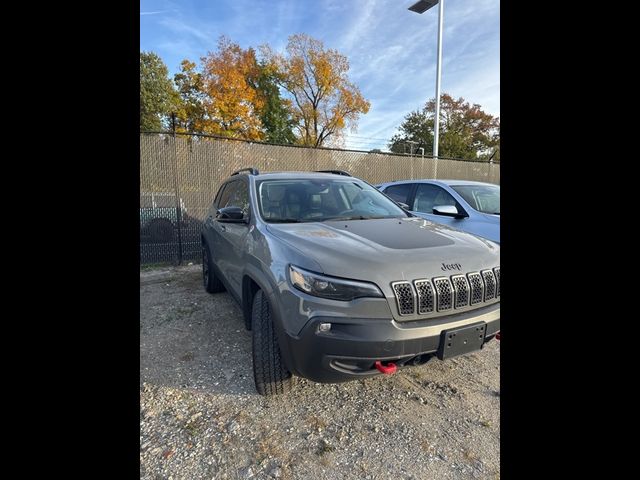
421,7
411,144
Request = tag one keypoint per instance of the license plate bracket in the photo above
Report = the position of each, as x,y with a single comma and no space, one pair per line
461,340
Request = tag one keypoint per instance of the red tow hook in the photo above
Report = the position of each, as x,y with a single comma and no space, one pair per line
498,336
387,369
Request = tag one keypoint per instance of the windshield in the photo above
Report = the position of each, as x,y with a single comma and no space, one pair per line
317,200
483,198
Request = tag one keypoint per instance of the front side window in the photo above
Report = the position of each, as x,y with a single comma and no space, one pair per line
223,196
310,200
238,196
483,198
429,196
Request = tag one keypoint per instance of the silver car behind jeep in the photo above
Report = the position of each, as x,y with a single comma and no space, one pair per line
338,282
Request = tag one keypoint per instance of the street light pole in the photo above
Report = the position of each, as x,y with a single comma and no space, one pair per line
436,128
422,6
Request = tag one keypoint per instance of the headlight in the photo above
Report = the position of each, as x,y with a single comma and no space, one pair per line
329,287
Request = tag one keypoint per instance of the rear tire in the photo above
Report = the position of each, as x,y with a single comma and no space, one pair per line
270,374
212,283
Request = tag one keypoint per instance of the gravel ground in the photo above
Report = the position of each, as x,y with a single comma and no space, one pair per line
200,416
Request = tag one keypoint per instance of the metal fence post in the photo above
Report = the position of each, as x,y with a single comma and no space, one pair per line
175,178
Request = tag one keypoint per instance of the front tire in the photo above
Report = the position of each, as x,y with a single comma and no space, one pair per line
270,374
212,283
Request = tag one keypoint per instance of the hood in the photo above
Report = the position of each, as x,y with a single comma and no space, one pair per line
386,250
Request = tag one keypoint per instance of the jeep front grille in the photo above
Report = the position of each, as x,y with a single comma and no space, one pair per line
426,296
477,287
489,285
444,296
461,290
441,294
404,297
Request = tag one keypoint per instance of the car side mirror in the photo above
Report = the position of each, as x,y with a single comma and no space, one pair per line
448,211
230,215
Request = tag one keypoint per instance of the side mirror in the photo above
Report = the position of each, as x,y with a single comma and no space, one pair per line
448,211
230,215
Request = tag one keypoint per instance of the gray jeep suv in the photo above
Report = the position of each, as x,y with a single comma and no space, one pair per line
337,282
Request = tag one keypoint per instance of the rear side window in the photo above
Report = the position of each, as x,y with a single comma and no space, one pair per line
399,193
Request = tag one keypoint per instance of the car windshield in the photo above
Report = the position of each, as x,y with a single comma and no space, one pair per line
483,198
317,200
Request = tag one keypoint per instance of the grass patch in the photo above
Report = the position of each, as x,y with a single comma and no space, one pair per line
192,428
153,266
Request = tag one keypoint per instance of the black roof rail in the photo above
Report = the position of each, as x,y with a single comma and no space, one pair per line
335,172
251,170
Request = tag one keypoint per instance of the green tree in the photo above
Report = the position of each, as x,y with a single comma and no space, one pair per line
466,131
275,114
158,98
190,114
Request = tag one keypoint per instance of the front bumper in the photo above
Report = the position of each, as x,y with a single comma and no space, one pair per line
349,350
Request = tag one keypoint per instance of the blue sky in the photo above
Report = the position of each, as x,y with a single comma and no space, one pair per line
391,50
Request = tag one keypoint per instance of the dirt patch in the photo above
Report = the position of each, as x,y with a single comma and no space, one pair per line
201,417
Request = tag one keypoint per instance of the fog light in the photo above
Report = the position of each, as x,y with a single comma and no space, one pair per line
324,327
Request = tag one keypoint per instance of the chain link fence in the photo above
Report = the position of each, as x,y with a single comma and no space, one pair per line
180,175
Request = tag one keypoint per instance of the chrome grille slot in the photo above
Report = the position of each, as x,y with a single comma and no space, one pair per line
460,290
477,288
496,272
444,293
426,296
489,285
405,298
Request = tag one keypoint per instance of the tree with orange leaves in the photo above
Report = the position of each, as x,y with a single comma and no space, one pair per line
323,100
231,103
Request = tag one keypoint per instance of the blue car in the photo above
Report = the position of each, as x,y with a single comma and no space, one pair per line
473,207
